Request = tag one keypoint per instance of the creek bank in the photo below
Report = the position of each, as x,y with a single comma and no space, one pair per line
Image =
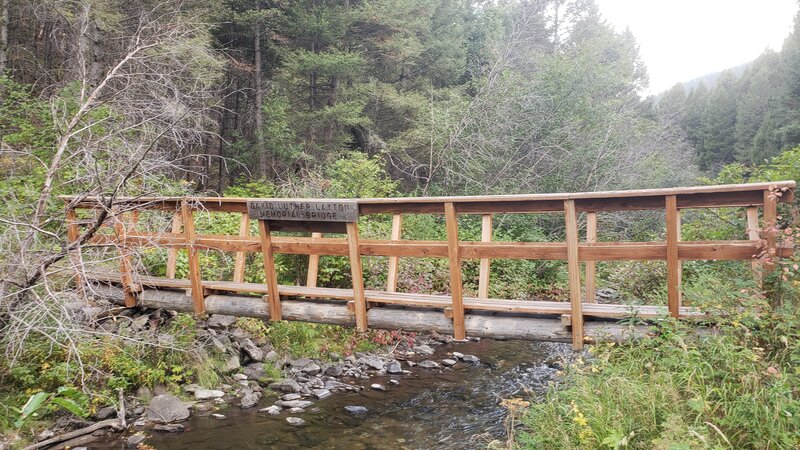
462,407
248,369
306,380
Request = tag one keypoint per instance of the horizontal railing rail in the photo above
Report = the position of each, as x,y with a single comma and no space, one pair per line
182,235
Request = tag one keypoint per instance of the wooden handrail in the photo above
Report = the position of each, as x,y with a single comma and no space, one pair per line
726,195
574,250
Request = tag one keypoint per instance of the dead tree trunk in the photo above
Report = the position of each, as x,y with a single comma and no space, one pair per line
263,154
4,36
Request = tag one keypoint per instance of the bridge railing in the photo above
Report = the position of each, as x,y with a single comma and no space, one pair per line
122,215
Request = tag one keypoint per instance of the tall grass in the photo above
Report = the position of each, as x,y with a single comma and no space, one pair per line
735,386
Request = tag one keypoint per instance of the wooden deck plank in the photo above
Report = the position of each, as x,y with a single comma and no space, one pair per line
407,299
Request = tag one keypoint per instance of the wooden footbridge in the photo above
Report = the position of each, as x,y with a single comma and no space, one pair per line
389,309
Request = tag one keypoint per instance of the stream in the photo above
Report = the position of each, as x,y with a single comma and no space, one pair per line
456,408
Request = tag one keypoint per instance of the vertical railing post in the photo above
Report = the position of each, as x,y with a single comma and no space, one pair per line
75,257
241,257
125,265
673,262
359,300
752,234
270,274
769,228
574,272
313,264
391,276
591,266
198,297
456,288
483,271
172,252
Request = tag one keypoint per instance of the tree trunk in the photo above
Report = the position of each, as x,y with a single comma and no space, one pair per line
263,156
4,36
88,47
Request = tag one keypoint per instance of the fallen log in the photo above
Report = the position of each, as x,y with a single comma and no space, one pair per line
389,317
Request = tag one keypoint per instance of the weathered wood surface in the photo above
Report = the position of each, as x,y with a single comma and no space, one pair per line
303,210
390,318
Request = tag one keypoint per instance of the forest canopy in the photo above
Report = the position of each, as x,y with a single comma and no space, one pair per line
452,97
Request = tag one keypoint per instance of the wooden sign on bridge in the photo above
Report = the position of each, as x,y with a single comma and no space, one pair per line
316,216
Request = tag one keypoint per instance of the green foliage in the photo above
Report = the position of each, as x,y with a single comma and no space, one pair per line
677,390
41,403
106,363
356,175
317,340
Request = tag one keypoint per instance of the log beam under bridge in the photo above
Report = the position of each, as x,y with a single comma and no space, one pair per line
480,324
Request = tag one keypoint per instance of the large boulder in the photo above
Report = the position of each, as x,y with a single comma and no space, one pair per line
207,394
374,363
251,350
423,350
286,385
221,321
249,398
394,367
166,409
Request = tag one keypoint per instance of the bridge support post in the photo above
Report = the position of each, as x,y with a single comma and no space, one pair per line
673,261
73,234
574,271
752,234
241,257
270,274
172,252
483,272
456,288
591,266
391,276
359,301
198,297
313,264
125,266
770,231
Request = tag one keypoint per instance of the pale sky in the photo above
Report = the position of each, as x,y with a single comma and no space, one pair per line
680,40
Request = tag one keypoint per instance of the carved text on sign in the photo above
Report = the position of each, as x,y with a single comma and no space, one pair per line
304,210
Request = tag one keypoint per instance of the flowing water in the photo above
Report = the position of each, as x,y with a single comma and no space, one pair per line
454,409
